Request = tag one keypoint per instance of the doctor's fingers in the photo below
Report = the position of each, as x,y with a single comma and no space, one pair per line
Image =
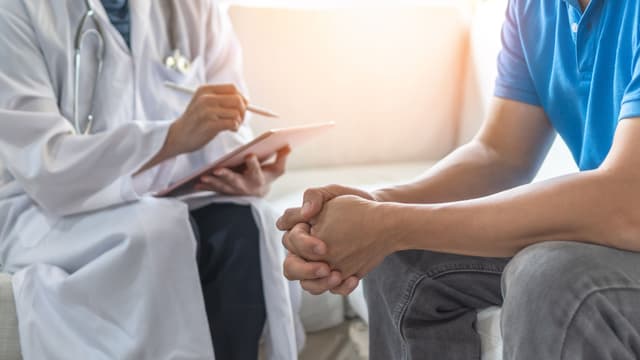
301,243
278,168
296,268
254,170
229,101
221,113
215,102
220,89
210,183
202,113
233,179
234,101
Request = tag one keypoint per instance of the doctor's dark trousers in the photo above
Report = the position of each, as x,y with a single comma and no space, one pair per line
229,265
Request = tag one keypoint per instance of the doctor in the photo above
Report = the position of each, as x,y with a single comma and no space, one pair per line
101,269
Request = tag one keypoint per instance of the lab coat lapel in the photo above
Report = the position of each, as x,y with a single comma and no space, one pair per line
140,24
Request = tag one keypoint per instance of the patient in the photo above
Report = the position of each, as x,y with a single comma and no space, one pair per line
558,256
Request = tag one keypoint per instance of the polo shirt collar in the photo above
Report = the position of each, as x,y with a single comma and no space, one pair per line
576,3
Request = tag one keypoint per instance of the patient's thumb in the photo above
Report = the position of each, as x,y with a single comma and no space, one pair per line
312,203
309,210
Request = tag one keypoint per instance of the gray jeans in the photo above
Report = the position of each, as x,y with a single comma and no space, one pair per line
561,301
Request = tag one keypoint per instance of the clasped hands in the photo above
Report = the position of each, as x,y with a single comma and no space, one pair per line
336,238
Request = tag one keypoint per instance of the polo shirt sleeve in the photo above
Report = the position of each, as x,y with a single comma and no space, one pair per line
514,80
631,100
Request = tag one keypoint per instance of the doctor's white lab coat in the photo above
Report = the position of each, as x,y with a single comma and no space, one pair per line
101,270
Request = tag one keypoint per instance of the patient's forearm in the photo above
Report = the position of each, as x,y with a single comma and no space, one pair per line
472,171
594,207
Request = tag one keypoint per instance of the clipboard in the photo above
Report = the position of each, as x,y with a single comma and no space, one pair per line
264,147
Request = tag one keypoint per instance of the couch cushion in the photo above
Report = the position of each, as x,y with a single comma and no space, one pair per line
488,327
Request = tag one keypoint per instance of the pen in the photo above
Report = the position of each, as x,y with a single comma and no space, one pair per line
253,108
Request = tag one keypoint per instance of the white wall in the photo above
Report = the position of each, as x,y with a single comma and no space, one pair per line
390,77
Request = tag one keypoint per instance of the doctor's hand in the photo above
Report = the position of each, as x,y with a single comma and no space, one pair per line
213,109
254,180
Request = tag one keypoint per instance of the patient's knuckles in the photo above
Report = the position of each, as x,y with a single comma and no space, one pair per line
316,196
290,218
314,287
300,232
340,291
286,242
289,268
303,247
314,291
311,193
285,271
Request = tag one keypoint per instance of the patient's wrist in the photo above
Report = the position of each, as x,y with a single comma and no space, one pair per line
408,226
382,195
391,226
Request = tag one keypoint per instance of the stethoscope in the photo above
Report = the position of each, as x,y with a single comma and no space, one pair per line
175,61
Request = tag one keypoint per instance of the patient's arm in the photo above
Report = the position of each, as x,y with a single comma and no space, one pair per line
507,152
597,206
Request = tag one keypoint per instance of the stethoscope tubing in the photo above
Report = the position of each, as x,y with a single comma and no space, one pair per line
175,61
79,39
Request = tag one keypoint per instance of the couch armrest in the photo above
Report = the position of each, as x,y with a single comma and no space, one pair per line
9,339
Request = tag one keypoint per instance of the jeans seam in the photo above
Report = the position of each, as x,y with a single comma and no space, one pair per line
470,267
457,271
405,305
406,296
579,306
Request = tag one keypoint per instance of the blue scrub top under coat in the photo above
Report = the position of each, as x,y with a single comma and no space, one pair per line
581,67
120,16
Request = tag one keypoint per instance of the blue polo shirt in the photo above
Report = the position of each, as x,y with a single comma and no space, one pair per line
582,68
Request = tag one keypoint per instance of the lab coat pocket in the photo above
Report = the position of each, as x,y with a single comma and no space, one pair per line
173,102
192,78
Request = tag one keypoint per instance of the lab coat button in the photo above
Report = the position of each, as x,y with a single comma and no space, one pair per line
574,27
